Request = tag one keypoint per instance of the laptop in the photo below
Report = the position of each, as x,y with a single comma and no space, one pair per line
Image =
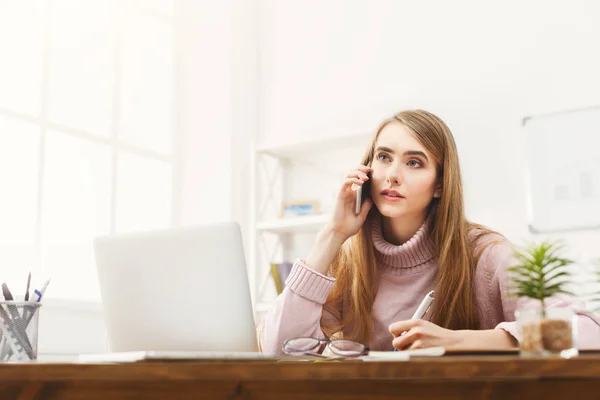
176,293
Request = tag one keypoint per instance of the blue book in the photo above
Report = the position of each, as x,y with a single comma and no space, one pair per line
284,271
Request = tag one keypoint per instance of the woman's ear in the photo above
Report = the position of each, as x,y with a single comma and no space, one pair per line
438,191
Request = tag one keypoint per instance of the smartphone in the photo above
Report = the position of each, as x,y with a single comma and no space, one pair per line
358,199
362,192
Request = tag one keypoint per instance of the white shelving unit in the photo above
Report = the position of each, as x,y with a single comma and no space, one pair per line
293,225
269,234
324,144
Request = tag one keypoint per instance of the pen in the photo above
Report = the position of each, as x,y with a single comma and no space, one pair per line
358,200
27,288
424,306
37,297
14,312
40,293
24,317
422,309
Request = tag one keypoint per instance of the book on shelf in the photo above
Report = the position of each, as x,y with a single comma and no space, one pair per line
280,273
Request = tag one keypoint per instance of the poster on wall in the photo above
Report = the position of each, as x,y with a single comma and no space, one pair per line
563,156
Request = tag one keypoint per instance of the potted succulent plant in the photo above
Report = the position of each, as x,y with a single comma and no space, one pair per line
540,274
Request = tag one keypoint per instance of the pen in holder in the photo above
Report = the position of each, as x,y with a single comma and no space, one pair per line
19,327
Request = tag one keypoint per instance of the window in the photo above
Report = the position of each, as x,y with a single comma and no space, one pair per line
87,133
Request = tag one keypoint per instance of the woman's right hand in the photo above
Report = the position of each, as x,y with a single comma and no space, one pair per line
345,222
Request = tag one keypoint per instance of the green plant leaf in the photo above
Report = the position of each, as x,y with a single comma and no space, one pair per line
541,271
558,275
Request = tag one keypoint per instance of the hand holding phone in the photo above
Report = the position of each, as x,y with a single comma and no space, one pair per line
345,221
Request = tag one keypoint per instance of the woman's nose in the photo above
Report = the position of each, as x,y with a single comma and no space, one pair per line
393,175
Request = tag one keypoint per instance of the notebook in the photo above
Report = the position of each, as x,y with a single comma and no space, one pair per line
403,355
142,356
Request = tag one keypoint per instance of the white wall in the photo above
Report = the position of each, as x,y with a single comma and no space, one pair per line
219,108
336,66
206,110
68,327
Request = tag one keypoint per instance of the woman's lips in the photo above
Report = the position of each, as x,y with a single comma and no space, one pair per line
392,198
391,195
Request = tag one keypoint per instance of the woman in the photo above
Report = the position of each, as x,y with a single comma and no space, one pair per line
367,273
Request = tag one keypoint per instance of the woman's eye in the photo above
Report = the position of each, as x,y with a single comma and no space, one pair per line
414,163
383,157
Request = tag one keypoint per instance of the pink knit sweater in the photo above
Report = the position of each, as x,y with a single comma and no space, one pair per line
407,274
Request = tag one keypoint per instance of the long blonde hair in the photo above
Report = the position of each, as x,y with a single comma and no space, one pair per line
355,265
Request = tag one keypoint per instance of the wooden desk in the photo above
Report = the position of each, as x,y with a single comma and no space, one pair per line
450,377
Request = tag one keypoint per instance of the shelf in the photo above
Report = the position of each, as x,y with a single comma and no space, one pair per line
263,307
321,144
312,223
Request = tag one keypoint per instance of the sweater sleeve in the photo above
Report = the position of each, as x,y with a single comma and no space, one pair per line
501,258
299,309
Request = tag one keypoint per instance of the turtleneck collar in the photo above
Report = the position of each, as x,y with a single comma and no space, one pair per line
408,258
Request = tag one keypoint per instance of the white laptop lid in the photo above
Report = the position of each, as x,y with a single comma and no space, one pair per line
183,289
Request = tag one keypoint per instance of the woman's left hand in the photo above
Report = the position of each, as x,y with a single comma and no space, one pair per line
421,334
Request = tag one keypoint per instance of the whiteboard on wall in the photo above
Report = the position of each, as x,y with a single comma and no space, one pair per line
563,156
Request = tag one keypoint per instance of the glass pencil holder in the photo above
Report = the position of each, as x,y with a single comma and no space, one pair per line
19,330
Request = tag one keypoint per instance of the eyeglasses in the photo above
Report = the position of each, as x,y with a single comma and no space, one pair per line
315,347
